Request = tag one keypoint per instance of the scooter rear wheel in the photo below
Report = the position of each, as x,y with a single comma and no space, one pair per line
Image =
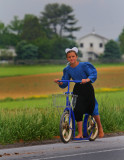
90,127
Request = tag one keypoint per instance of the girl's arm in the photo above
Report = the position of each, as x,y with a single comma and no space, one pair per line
64,77
91,72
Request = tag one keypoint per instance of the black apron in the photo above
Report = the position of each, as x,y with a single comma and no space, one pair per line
85,101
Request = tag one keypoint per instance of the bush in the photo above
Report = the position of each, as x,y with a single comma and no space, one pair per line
25,50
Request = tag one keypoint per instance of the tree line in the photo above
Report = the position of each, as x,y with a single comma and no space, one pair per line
43,37
46,36
114,49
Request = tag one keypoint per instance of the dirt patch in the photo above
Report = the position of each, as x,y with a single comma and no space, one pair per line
26,86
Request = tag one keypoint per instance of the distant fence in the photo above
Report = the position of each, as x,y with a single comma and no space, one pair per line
52,61
41,61
111,60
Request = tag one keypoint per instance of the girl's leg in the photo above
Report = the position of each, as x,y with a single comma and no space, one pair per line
79,125
101,133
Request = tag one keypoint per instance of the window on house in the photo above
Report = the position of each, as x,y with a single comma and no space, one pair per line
90,53
90,59
91,45
81,45
100,45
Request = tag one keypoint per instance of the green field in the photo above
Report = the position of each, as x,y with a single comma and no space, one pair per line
114,98
25,103
19,70
7,71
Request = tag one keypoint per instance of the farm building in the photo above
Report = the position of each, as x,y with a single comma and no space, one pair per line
7,54
10,52
91,46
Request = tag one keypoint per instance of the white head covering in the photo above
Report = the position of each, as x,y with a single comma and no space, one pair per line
75,49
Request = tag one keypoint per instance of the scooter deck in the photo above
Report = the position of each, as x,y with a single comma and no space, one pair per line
78,139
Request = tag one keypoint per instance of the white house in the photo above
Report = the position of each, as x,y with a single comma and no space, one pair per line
91,46
7,53
10,51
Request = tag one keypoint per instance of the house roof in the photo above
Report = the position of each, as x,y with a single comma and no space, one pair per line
93,34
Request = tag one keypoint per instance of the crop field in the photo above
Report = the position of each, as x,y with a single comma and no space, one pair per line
42,84
26,110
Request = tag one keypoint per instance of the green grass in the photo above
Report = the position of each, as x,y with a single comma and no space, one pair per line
108,64
7,71
111,109
19,70
27,125
115,98
37,119
9,103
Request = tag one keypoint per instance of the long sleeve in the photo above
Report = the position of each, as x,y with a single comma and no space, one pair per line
65,77
91,71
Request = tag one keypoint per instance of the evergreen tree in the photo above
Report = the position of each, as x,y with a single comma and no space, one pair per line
121,41
59,19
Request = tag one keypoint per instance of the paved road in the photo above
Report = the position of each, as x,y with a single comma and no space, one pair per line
111,148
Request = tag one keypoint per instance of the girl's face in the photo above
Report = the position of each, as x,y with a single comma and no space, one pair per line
72,57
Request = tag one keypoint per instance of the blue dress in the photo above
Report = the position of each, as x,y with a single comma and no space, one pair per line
82,71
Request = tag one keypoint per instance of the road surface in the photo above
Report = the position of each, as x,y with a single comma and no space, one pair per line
111,148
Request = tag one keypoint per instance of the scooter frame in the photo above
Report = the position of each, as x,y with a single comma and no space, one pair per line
69,109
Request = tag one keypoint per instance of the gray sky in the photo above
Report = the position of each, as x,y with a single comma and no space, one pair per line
105,16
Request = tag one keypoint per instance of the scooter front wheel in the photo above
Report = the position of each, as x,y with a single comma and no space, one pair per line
65,128
90,127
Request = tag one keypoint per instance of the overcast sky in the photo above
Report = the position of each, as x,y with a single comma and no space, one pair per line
105,16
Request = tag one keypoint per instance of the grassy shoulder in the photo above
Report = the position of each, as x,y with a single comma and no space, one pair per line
37,119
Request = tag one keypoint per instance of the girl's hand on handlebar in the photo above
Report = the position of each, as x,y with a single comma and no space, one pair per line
85,81
59,83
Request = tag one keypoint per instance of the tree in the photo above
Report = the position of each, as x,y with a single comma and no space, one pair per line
2,26
15,26
31,28
121,41
26,51
112,51
59,19
67,21
53,48
10,34
7,38
44,48
58,47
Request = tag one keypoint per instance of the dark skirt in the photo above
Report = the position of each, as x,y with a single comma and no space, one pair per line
85,101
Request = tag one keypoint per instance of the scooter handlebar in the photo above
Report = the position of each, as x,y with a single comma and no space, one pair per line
75,81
